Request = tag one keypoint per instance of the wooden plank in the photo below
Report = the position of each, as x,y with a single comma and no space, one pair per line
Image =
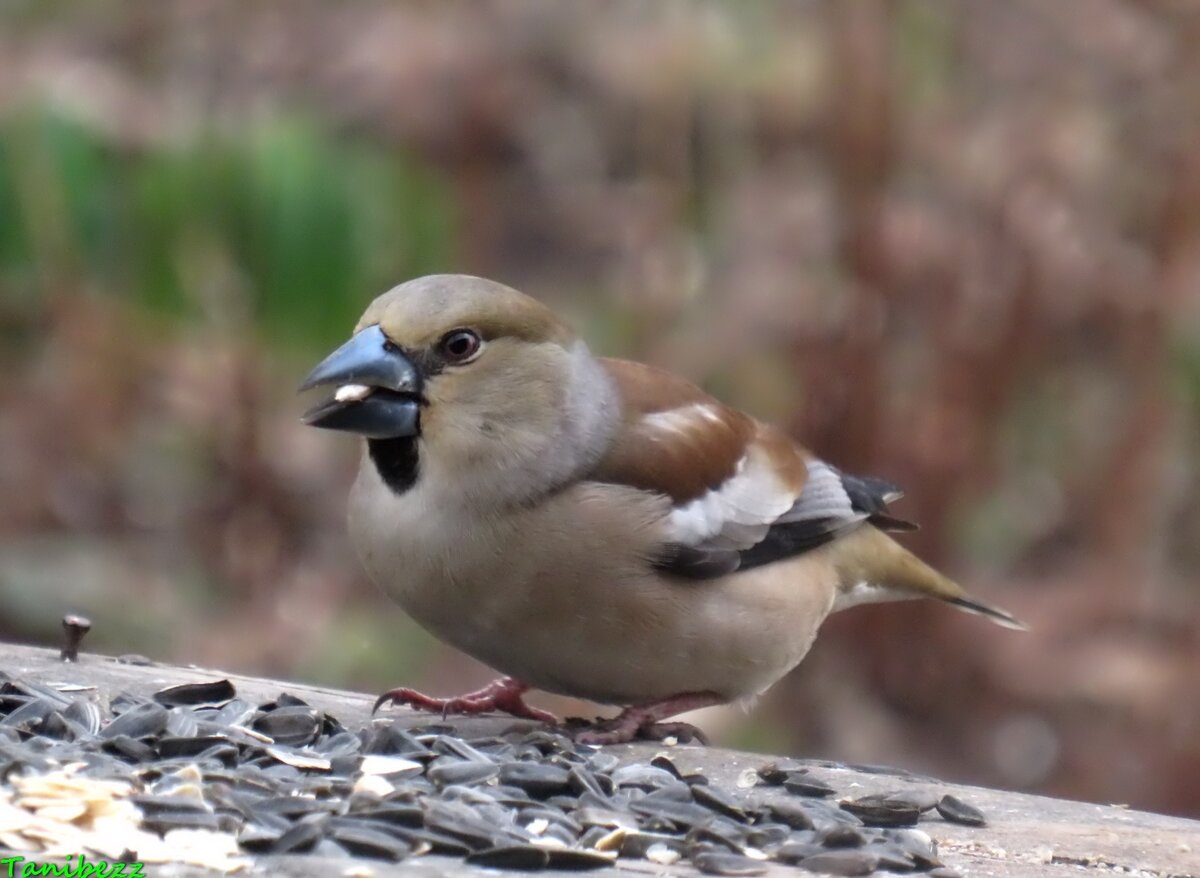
1026,835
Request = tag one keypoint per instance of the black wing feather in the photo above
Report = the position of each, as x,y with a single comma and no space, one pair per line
868,499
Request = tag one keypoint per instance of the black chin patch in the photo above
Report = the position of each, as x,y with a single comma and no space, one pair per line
396,461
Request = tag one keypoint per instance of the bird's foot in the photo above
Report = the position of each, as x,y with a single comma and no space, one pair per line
499,696
645,721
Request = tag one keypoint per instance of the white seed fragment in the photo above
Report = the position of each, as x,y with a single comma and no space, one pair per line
661,854
747,779
300,759
388,765
612,841
374,785
352,392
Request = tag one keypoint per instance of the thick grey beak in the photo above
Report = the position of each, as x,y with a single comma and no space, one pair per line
386,402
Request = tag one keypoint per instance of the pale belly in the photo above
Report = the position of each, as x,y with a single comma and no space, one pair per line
546,599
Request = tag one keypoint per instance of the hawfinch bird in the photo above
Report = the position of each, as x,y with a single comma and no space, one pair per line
593,527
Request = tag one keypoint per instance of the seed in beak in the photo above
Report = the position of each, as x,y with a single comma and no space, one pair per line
352,392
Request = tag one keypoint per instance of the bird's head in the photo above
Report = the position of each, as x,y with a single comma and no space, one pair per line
485,377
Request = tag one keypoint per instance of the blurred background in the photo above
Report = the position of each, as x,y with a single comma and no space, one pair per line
956,245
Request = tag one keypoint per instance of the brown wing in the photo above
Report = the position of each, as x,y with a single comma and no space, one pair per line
743,493
728,475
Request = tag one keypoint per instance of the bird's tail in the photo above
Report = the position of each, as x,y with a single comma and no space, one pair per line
870,559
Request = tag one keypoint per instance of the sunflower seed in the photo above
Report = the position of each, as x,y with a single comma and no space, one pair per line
225,711
258,838
536,779
636,844
892,858
765,835
437,842
717,863
580,779
840,836
663,761
841,863
790,813
304,759
130,748
682,815
455,746
916,844
215,746
522,857
807,785
775,773
461,822
793,852
607,819
602,762
85,714
294,725
302,836
391,740
956,810
182,723
368,842
445,771
880,810
552,816
868,768
661,854
389,766
922,799
215,692
716,799
138,721
156,804
295,807
53,725
572,860
644,777
163,822
727,836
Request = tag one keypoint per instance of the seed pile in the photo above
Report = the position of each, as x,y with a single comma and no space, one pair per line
284,777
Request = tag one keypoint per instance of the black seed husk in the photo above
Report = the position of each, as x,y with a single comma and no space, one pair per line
841,863
956,810
719,863
195,694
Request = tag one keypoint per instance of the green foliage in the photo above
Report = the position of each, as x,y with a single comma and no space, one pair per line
925,47
1187,367
284,225
372,645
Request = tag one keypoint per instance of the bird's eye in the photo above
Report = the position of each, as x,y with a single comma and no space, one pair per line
459,345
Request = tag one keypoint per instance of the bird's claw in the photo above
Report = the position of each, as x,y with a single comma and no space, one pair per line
616,731
500,696
645,722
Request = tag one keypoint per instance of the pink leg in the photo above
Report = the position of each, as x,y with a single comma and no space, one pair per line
645,721
503,696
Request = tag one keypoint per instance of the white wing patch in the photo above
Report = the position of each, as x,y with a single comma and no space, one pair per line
681,420
823,496
738,514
